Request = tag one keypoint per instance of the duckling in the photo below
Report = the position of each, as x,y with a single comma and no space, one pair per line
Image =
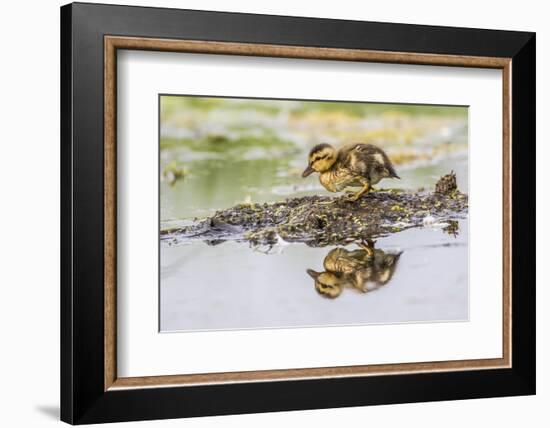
354,165
363,270
344,261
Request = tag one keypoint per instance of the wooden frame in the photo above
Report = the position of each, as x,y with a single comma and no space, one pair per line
112,43
513,53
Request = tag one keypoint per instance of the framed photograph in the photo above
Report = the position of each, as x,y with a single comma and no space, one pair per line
266,213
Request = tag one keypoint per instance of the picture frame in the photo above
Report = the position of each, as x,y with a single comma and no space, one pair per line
91,390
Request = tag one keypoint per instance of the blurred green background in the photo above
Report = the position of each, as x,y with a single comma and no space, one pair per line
216,152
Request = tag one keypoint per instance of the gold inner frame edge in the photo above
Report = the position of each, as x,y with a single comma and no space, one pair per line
113,43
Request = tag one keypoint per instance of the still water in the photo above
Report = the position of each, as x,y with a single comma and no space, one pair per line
233,286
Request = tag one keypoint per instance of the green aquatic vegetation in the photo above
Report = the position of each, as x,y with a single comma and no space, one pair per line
397,208
359,109
452,228
223,143
172,104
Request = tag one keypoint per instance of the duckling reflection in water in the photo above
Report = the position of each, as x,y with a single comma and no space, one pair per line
354,165
364,270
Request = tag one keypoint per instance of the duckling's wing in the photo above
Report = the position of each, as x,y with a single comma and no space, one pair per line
385,265
359,258
347,265
340,260
352,157
386,166
366,158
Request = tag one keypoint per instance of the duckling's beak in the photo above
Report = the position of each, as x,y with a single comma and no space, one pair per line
312,273
307,171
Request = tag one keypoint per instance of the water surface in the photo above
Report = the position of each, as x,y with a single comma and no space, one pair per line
233,286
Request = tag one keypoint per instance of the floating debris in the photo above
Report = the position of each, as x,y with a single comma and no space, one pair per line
321,220
447,184
172,173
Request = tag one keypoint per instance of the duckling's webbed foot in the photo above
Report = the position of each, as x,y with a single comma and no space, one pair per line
355,196
368,246
352,196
